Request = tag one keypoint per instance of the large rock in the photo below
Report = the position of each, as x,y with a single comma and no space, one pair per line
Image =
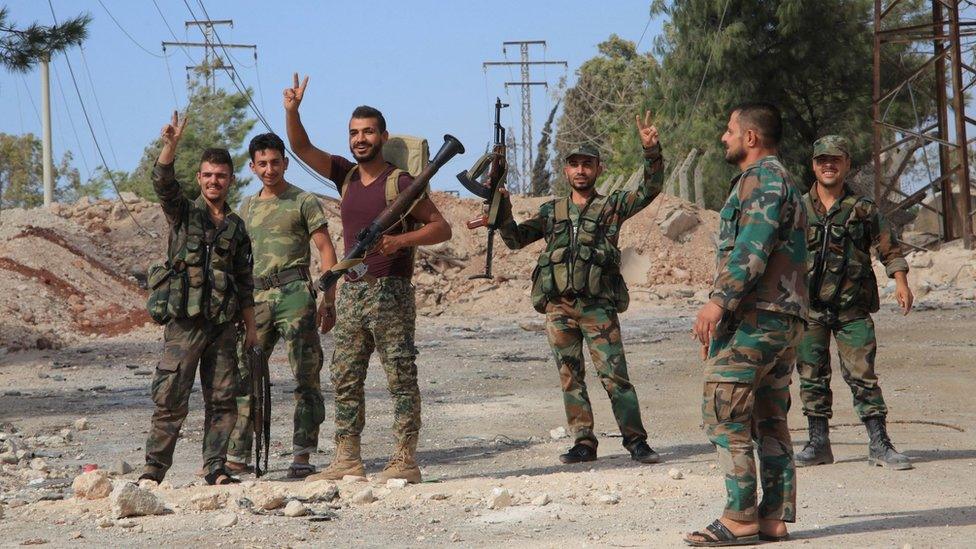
128,500
317,490
678,223
500,497
92,485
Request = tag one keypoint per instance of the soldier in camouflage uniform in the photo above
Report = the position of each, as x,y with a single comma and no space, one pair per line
281,220
578,285
843,294
751,325
376,310
209,285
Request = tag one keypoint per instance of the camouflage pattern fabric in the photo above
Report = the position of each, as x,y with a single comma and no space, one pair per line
188,342
744,408
569,323
381,316
280,228
762,253
286,313
832,145
855,226
217,281
588,264
856,347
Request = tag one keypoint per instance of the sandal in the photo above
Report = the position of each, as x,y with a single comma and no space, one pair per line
149,476
717,534
772,538
238,468
300,470
220,478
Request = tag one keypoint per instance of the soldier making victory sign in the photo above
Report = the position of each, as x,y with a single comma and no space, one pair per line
578,286
376,311
201,293
843,294
281,220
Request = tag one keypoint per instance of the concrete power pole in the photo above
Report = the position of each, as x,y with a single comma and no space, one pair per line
46,155
212,61
525,83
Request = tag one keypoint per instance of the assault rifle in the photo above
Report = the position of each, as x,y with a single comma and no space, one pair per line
494,162
260,406
393,214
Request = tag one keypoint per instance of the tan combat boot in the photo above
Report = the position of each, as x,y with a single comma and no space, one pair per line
348,461
403,462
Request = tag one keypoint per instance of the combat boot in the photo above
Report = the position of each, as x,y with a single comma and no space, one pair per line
880,451
403,462
348,461
817,451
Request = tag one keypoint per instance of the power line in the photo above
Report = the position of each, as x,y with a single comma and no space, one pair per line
98,104
170,29
91,129
71,120
121,28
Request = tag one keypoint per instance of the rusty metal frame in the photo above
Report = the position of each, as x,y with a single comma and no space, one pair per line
945,35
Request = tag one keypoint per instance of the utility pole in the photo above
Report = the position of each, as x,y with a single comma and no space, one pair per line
212,60
46,155
526,84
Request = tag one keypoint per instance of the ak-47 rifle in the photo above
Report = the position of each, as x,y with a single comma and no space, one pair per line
394,213
494,162
260,406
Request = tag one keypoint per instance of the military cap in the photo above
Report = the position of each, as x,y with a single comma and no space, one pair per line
832,145
584,149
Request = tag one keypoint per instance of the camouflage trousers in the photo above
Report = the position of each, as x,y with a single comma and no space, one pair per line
744,408
188,342
856,347
568,323
379,316
287,312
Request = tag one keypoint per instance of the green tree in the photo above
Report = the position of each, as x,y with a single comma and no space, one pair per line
216,119
541,174
21,174
22,48
599,109
812,59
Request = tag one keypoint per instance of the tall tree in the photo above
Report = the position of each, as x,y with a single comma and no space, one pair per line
812,59
599,109
21,174
541,174
216,119
22,48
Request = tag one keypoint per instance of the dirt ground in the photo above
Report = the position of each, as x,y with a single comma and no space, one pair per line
491,397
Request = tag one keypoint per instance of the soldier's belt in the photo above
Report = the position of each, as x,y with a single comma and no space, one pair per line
281,278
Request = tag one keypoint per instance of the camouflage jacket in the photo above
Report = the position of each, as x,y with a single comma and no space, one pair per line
762,253
839,241
213,264
581,258
280,228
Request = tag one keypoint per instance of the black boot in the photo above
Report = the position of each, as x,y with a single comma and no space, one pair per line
880,451
579,453
817,451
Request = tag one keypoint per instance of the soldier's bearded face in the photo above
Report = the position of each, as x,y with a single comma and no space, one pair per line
269,166
365,139
831,170
734,140
215,181
582,171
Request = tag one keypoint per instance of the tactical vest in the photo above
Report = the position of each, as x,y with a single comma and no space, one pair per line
581,261
197,277
841,275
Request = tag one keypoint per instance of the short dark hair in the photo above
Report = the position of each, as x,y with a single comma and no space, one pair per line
365,111
763,117
264,142
216,155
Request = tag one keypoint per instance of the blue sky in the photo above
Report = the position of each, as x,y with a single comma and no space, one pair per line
420,62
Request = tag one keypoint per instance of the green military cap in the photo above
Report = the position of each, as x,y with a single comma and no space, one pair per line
584,149
832,145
